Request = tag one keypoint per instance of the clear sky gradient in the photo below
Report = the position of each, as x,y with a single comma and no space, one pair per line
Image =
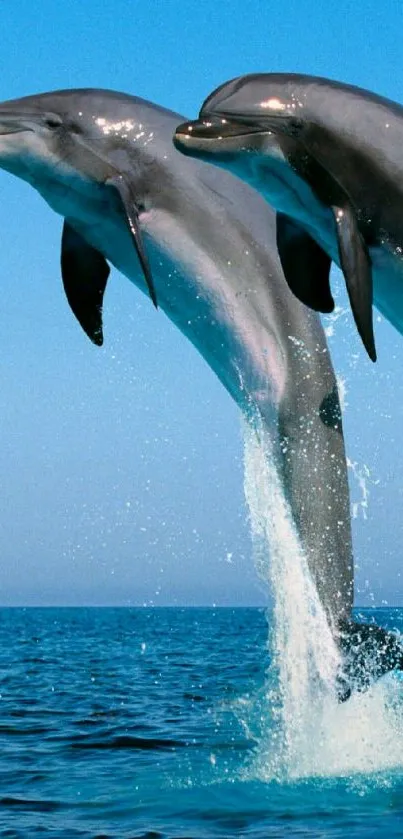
122,467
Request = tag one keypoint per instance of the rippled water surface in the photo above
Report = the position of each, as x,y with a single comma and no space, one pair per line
159,723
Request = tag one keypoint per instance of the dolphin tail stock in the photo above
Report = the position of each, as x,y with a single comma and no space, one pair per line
315,480
368,652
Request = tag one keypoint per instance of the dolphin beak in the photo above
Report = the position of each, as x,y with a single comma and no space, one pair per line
212,134
13,123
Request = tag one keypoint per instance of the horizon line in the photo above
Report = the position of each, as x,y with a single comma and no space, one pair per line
170,606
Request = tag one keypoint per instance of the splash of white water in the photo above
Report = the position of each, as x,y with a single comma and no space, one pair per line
302,729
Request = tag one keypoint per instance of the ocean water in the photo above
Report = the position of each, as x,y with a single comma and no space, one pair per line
166,723
198,723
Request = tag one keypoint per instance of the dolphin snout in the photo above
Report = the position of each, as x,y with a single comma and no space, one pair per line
206,128
12,123
199,135
195,138
212,128
212,135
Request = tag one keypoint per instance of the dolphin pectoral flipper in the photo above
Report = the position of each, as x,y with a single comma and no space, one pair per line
356,266
122,187
85,272
306,266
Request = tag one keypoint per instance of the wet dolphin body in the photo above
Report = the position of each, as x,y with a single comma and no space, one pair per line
328,157
201,244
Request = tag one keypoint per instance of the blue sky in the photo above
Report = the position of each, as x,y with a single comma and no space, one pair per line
122,467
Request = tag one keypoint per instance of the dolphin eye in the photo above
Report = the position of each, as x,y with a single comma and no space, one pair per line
52,121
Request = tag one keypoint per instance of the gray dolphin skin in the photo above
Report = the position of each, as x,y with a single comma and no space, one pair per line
328,157
201,244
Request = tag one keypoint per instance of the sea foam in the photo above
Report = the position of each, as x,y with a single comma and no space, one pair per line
300,727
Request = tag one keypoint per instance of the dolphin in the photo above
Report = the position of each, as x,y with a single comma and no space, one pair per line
201,244
328,157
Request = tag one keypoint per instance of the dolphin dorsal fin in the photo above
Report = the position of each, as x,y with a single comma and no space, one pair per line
85,272
306,266
120,184
356,266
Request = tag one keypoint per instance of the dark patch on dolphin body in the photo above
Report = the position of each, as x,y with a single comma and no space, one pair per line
330,412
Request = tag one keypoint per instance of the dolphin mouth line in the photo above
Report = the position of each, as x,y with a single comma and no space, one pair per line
7,131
